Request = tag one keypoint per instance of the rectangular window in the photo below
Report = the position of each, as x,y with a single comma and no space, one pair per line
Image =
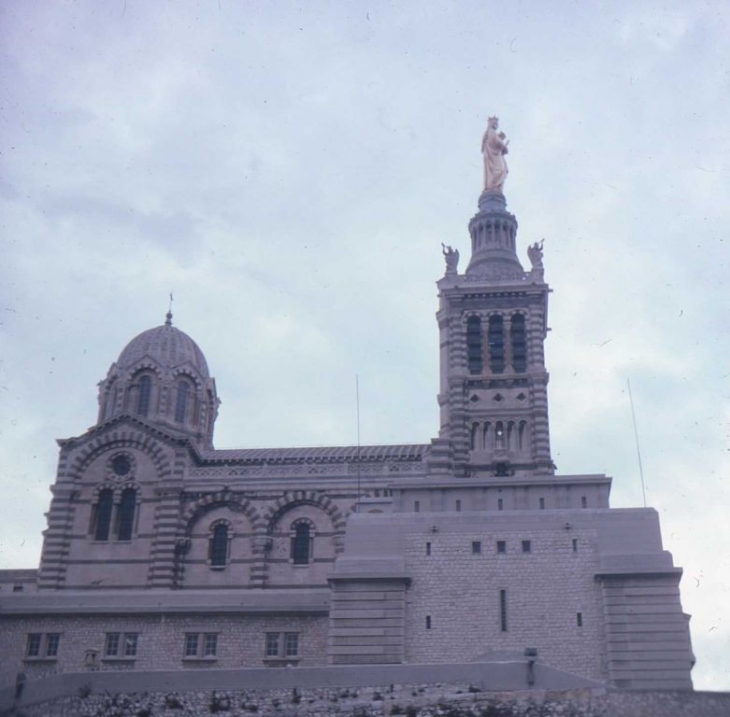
583,501
111,649
210,644
34,645
130,644
575,545
416,507
428,548
458,506
500,504
198,645
52,643
272,644
503,610
476,547
501,546
579,619
191,644
291,644
526,546
542,503
428,622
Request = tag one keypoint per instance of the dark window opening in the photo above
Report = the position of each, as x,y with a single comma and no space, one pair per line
428,622
501,546
52,643
301,544
181,402
519,343
583,502
495,338
34,645
145,394
126,513
103,517
503,610
476,547
428,548
458,506
526,546
500,504
575,545
579,619
542,503
474,344
218,546
416,507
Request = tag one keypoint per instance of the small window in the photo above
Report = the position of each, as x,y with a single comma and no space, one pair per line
526,546
476,547
191,644
218,546
181,402
501,546
583,501
121,644
291,644
282,645
199,645
111,648
210,644
417,507
52,642
144,396
474,344
579,619
33,648
103,514
503,610
575,545
458,506
301,543
428,548
428,622
542,503
272,644
495,338
125,514
500,504
519,343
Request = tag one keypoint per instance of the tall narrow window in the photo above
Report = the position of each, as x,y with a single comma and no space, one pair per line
301,544
474,344
103,514
144,396
519,343
126,513
495,337
181,403
503,610
218,546
542,503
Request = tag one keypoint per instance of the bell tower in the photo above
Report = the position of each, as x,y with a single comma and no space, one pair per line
492,326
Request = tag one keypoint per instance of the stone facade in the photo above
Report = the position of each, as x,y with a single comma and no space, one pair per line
164,553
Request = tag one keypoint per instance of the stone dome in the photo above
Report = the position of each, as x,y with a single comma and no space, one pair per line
167,345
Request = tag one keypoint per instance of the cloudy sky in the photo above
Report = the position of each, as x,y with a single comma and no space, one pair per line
289,171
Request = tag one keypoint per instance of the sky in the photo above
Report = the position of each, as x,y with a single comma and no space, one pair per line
289,171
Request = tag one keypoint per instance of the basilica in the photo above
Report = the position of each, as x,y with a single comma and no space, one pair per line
163,553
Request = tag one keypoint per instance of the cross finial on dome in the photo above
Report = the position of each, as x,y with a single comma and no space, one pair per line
168,315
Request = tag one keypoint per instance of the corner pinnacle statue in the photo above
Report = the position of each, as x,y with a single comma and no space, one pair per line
494,147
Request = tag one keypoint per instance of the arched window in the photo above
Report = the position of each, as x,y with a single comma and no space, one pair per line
474,344
519,343
144,396
125,514
301,543
181,403
495,337
103,514
218,546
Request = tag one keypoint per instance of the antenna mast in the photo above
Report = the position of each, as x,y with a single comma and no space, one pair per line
636,438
